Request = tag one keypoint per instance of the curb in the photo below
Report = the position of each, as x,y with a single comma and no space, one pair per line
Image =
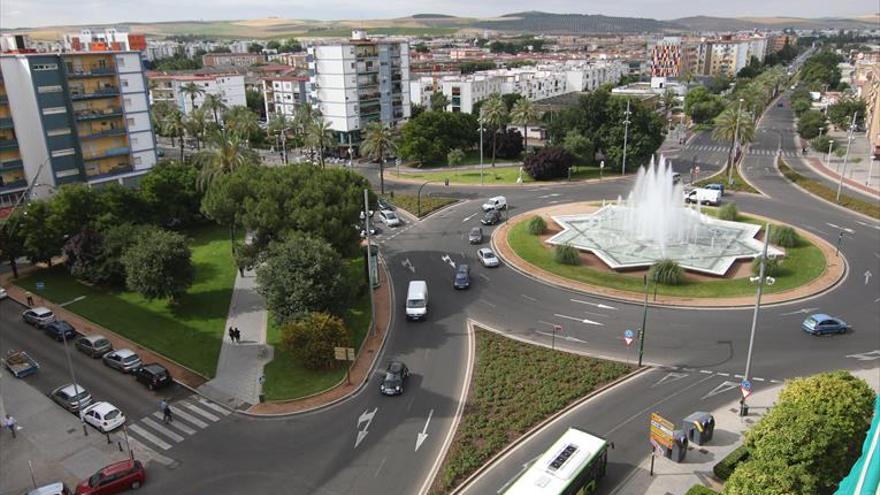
538,183
356,390
739,170
543,424
814,196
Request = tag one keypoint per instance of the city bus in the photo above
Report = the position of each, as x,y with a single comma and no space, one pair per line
573,465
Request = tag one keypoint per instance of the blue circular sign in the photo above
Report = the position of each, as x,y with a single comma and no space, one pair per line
746,385
629,334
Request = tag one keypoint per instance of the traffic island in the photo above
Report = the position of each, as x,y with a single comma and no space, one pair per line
811,267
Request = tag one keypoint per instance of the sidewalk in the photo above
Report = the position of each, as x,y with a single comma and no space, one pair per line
861,175
670,477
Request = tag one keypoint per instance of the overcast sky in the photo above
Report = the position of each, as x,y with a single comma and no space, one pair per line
21,13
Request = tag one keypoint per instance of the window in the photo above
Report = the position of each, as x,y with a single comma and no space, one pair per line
125,83
61,131
54,110
137,160
66,173
127,101
120,61
129,121
49,89
63,152
44,67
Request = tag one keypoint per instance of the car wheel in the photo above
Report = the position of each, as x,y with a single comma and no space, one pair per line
135,485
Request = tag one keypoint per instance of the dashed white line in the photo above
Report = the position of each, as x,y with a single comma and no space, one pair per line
487,303
530,298
706,372
380,467
723,374
757,379
146,435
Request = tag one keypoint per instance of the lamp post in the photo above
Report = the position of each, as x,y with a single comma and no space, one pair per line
481,150
760,279
626,123
369,260
76,387
731,161
849,140
419,195
644,322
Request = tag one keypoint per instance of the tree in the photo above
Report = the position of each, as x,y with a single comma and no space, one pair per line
522,114
579,146
83,252
669,101
549,163
736,127
841,113
192,90
303,274
196,124
769,478
158,265
255,48
214,104
429,136
377,144
273,45
158,112
115,240
494,115
421,48
255,102
455,157
320,137
171,193
313,337
73,207
439,101
225,197
811,124
645,132
509,143
226,153
174,126
40,240
718,84
290,46
241,122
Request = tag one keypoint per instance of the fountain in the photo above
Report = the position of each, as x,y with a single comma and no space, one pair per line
654,223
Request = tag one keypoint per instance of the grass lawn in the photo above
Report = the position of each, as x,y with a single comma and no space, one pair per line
471,157
739,184
287,378
801,264
498,175
515,386
190,333
827,193
409,202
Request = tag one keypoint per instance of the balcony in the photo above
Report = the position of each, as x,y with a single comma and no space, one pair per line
6,123
89,134
11,165
105,113
98,93
8,144
15,184
109,153
118,169
4,99
93,72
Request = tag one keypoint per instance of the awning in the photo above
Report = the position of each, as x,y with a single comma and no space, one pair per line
864,478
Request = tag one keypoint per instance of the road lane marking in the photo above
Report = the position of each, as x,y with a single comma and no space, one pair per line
488,303
200,412
162,429
582,320
598,305
153,439
145,453
845,229
176,424
654,406
408,265
720,389
670,377
530,298
220,409
865,356
190,418
799,312
483,276
706,372
559,335
468,218
367,418
421,436
376,475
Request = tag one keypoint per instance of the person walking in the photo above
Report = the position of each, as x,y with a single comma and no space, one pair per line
232,335
30,299
166,412
10,423
237,336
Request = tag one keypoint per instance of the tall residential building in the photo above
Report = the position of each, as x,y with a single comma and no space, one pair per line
866,80
72,117
232,59
358,82
667,59
110,39
282,94
777,42
169,87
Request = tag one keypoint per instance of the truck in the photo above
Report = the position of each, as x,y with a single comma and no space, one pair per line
703,196
20,363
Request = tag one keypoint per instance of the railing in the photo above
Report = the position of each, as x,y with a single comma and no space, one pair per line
96,114
13,184
6,123
6,144
111,152
98,93
97,134
11,164
93,72
113,171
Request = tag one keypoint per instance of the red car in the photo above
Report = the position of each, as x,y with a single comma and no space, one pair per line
115,478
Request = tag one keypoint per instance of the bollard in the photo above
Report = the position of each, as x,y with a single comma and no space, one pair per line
108,438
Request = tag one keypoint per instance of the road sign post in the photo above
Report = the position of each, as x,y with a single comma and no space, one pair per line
628,337
345,354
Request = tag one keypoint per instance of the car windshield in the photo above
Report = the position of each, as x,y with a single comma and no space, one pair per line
81,395
101,343
416,303
811,321
112,414
489,255
130,359
392,379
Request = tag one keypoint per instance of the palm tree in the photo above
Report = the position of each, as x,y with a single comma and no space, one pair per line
377,143
225,152
522,114
494,114
281,126
736,126
303,117
195,124
241,121
192,90
319,136
174,126
214,104
668,100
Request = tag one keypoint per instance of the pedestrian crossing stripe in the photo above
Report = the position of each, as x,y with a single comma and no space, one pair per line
164,430
200,412
151,432
149,437
189,417
177,424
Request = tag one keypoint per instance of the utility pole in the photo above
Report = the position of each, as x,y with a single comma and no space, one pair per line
849,140
626,123
760,291
481,150
76,386
644,322
732,160
369,261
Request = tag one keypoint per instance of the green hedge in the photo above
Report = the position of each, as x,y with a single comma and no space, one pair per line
725,468
701,490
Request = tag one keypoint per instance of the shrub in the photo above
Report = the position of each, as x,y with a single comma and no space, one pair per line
784,236
666,272
455,157
728,212
725,468
550,163
769,478
567,255
700,490
312,337
772,267
537,225
510,144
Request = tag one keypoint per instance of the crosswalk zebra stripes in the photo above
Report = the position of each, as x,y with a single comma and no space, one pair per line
752,151
149,437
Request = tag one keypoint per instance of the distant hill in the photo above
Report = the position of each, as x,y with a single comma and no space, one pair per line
433,16
543,22
720,24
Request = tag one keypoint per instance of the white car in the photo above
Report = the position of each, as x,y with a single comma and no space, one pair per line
496,203
487,257
3,294
104,416
389,218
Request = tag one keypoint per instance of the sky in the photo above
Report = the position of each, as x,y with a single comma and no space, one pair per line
33,13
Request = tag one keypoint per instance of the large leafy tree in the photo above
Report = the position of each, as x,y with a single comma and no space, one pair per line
226,152
701,105
509,143
645,132
73,207
171,193
40,238
431,135
11,242
377,145
439,101
841,113
158,265
821,70
224,199
120,204
302,274
312,337
579,146
812,123
494,115
522,114
735,126
549,163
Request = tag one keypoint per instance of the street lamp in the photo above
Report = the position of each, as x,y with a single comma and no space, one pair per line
419,195
849,140
626,123
731,161
760,280
369,260
76,386
481,149
644,322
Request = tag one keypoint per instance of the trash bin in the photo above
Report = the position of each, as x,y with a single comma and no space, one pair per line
679,446
699,427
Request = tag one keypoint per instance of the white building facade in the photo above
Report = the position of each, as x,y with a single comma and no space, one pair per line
168,88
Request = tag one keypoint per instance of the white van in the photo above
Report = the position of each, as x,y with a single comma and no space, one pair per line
703,196
496,203
417,300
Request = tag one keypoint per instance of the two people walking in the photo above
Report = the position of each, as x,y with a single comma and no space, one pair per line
165,407
234,335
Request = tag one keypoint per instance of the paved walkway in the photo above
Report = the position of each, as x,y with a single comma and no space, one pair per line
670,477
862,174
240,367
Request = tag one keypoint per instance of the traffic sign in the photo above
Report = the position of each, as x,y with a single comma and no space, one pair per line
628,337
746,388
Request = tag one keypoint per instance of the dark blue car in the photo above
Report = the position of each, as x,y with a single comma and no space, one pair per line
820,324
716,186
60,330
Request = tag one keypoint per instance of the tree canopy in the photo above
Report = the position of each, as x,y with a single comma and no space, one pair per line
431,135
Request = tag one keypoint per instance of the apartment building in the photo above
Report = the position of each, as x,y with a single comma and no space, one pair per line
232,59
72,117
360,81
111,39
777,42
282,94
866,80
169,88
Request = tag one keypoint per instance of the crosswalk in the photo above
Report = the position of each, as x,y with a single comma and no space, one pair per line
752,151
150,437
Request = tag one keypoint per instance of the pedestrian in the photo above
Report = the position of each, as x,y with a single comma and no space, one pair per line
30,299
231,335
9,422
166,411
237,336
241,270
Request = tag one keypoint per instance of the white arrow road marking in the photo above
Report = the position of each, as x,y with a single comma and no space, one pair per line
560,336
670,377
420,438
799,312
865,356
408,264
584,321
448,260
365,417
720,389
468,218
553,195
845,229
598,305
873,226
867,276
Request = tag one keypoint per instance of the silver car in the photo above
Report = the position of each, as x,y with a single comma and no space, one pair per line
71,397
487,257
94,345
124,360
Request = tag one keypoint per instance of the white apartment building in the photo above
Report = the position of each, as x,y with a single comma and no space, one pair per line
464,91
360,81
157,50
108,39
282,94
421,89
167,87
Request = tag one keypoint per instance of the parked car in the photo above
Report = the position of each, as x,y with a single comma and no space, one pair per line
487,257
57,488
475,236
124,360
384,205
389,218
491,217
703,196
115,478
3,294
395,378
716,186
821,323
38,316
94,345
153,375
60,330
462,277
495,203
104,416
71,397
